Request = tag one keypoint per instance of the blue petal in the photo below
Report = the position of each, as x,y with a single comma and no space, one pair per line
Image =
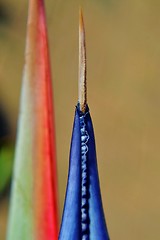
83,216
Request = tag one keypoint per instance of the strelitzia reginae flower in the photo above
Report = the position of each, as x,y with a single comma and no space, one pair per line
83,216
33,213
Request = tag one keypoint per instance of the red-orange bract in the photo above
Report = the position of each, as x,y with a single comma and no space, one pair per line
33,212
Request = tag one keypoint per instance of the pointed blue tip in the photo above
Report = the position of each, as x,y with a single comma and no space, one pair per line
83,216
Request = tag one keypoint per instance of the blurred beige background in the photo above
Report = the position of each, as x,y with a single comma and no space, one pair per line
123,53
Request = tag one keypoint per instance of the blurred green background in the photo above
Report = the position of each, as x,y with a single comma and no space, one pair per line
123,56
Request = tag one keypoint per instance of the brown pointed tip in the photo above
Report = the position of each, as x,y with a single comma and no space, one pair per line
81,22
82,64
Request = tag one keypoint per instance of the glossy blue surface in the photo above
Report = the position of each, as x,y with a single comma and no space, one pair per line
83,216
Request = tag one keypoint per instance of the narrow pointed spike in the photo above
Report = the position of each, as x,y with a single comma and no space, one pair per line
83,215
82,65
